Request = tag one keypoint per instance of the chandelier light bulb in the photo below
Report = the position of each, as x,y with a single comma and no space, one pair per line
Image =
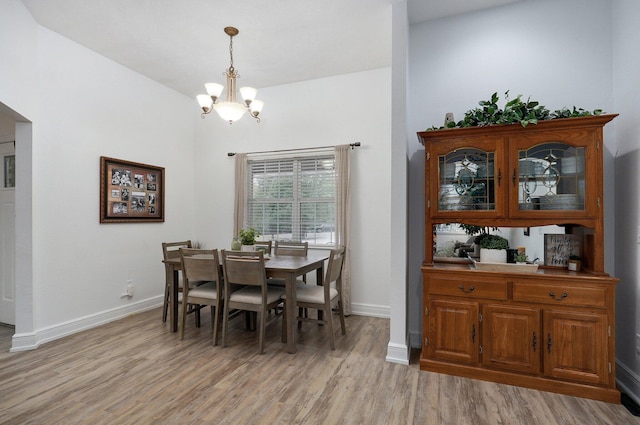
214,90
248,94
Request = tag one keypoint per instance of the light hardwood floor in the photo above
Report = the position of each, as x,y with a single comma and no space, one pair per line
134,371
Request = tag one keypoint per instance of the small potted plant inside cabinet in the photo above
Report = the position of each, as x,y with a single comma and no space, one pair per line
574,263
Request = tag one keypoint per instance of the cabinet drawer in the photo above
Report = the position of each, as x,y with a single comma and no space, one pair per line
581,296
492,289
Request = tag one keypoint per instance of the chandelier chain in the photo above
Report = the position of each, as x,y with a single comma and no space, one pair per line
231,53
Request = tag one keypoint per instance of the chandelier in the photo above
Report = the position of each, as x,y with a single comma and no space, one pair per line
230,110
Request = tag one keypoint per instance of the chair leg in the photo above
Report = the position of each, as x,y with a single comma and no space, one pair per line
165,307
261,326
183,318
215,312
341,313
329,320
225,323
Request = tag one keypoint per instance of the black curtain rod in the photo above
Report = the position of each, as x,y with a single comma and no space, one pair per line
353,146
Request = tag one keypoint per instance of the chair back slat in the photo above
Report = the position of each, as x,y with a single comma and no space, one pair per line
244,268
334,268
200,264
172,249
267,245
291,248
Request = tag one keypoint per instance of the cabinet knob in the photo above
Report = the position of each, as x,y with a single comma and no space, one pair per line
466,291
560,298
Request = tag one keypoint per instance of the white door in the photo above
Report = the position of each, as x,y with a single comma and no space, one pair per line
7,233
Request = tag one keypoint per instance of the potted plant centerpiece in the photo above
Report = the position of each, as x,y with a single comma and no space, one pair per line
248,238
476,233
493,248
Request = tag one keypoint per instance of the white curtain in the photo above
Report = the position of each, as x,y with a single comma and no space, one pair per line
241,193
343,213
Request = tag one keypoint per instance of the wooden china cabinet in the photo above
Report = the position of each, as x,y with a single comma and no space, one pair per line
553,329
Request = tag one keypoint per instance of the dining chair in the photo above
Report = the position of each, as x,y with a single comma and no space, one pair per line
299,249
247,269
267,245
202,285
323,298
172,250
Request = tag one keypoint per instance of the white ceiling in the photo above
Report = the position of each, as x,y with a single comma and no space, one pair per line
182,45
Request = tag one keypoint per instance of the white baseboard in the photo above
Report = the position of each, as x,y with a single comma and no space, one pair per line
397,353
371,310
628,382
31,341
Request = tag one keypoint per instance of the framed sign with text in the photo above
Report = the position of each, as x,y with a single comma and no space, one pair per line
558,248
130,192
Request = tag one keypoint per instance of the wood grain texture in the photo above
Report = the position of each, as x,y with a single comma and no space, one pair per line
128,372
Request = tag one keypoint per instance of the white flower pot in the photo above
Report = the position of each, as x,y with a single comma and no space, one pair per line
248,248
493,255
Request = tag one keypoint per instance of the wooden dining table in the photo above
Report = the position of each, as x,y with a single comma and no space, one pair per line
277,266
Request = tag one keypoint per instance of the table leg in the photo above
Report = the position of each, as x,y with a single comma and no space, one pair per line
292,323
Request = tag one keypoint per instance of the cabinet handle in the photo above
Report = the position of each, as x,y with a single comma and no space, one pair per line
534,342
514,178
560,298
473,333
499,176
466,291
549,343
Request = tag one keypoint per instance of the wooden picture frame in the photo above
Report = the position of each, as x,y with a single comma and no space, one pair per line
558,248
130,192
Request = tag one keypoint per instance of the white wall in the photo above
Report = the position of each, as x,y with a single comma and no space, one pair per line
83,106
325,112
627,135
556,51
88,106
18,41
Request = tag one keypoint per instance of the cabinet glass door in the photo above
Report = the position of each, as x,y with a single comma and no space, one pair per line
551,176
466,180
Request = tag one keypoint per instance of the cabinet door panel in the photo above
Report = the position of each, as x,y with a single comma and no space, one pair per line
511,338
575,346
468,180
453,331
554,173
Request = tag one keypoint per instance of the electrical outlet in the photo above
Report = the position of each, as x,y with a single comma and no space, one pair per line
637,344
130,289
638,235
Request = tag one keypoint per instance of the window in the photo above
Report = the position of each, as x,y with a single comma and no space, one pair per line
293,198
